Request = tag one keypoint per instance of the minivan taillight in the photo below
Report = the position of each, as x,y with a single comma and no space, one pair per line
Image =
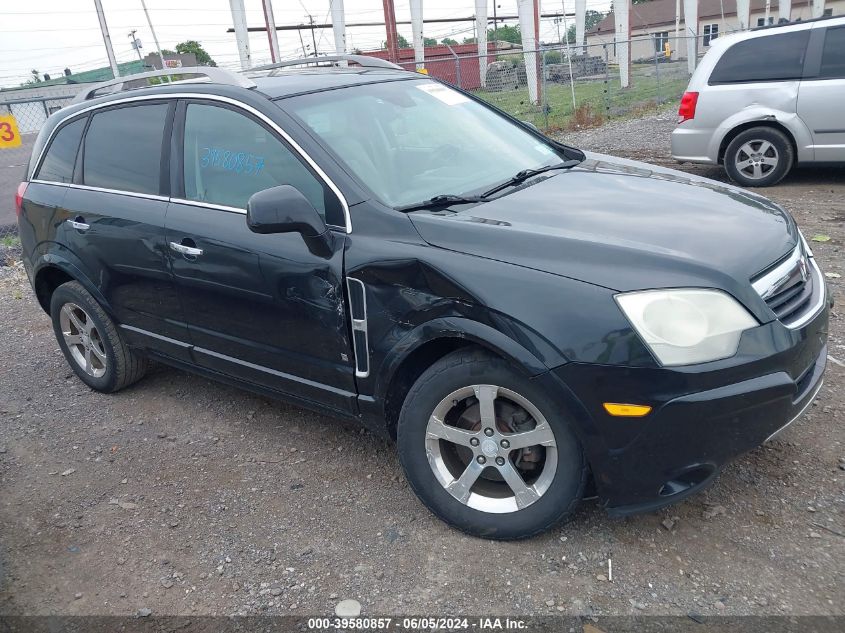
686,111
19,198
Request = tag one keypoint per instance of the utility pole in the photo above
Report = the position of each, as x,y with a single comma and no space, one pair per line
272,36
241,32
152,30
136,43
107,39
313,31
302,43
390,28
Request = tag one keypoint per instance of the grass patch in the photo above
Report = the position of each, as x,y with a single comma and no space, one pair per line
10,241
596,100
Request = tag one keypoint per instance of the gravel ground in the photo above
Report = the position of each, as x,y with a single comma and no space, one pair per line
183,496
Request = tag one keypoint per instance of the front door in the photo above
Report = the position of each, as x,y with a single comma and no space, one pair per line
821,98
260,307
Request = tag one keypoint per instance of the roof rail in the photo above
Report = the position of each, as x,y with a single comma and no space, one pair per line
362,60
190,74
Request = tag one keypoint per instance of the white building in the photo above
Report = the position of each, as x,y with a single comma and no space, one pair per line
653,24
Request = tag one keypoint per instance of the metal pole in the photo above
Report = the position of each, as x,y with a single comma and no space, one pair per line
313,36
135,44
272,36
107,39
457,65
241,32
656,67
569,58
155,38
390,28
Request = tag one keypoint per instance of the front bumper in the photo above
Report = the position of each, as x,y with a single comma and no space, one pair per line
702,417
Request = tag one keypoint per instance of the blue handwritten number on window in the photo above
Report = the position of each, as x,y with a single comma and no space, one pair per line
237,162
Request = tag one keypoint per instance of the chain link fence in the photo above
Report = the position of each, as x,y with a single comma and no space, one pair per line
29,115
564,87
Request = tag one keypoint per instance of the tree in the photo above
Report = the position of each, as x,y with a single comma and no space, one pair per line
591,18
192,46
429,41
505,33
403,43
449,41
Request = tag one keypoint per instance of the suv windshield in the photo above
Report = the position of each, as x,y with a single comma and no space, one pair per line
412,140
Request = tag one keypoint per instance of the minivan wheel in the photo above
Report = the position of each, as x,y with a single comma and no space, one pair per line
90,341
487,451
759,157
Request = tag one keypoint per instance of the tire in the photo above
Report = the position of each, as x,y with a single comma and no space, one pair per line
759,157
90,341
551,477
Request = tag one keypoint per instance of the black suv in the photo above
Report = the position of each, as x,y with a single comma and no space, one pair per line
519,315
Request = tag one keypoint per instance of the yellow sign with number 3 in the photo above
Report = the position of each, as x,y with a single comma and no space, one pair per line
9,135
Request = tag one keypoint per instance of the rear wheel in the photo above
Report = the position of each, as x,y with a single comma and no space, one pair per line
487,451
759,157
90,341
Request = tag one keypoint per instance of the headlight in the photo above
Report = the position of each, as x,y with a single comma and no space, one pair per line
687,326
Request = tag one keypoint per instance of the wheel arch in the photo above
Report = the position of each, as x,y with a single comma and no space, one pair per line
769,121
430,342
52,271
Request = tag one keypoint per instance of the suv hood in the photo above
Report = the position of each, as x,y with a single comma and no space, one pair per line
623,225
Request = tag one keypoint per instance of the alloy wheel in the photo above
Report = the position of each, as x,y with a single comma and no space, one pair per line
83,340
755,159
491,449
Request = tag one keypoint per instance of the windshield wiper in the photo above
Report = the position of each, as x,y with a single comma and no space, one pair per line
443,200
525,174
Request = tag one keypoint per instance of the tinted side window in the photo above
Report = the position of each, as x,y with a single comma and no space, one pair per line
769,58
229,156
833,54
61,155
123,149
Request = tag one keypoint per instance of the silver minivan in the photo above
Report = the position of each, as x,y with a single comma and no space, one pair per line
764,100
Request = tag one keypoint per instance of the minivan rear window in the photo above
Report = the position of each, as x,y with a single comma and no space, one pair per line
57,165
770,58
123,149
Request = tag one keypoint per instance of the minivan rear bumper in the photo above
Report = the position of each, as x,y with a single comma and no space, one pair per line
692,145
702,417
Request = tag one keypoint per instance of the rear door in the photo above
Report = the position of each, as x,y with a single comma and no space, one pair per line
821,98
262,308
114,221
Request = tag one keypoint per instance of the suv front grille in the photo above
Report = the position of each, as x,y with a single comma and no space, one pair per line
792,288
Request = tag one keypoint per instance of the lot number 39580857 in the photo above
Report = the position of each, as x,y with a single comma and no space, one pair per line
9,135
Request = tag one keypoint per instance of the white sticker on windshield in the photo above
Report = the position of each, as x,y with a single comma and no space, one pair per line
446,95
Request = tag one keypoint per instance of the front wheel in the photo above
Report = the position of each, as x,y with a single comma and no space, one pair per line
488,451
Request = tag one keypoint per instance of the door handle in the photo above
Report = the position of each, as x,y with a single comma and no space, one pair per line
190,251
78,225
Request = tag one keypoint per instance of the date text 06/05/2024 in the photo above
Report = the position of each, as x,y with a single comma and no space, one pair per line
417,623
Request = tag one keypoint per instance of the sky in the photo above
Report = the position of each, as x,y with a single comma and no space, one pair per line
50,35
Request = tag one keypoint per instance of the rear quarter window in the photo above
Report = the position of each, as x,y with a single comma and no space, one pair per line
770,58
833,54
58,163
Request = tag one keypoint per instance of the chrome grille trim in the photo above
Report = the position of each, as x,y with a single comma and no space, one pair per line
782,277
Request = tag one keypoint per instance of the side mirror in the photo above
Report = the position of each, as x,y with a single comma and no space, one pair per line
531,125
284,209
